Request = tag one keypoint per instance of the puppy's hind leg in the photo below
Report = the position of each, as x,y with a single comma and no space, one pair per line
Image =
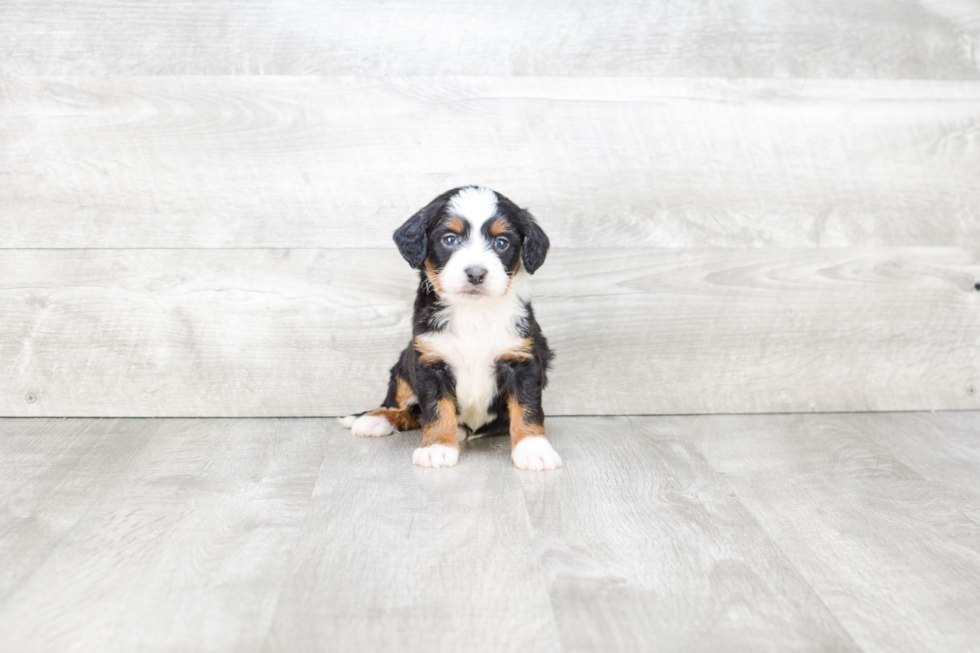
380,422
395,413
348,422
368,425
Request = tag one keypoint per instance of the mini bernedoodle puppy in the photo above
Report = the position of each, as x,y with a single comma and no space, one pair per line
477,362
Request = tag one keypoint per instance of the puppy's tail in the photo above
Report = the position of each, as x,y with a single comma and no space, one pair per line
348,422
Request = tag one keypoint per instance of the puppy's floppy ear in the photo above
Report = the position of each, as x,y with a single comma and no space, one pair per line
412,237
536,243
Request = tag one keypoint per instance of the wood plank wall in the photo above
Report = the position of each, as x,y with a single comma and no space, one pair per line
759,207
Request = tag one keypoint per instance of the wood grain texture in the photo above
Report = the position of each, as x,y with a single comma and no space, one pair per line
163,536
645,548
895,560
943,449
735,533
217,162
775,38
51,471
400,558
639,331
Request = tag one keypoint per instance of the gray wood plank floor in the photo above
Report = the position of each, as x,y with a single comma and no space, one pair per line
843,532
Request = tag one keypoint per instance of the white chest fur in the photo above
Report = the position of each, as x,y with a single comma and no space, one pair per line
474,337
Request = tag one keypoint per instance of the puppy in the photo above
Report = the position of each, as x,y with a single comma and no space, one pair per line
477,361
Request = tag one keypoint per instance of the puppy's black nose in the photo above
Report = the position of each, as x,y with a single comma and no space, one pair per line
476,275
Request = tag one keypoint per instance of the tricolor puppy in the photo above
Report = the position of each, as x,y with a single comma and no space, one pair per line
477,361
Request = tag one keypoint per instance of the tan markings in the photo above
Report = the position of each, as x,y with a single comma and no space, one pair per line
456,224
427,353
443,429
403,394
400,418
510,275
499,226
520,427
519,354
433,276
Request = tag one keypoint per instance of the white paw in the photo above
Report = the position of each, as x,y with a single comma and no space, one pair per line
435,455
372,426
348,421
535,453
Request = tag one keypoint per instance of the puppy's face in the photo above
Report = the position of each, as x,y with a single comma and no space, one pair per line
471,242
473,250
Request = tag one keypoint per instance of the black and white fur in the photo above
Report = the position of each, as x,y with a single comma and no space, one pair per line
477,361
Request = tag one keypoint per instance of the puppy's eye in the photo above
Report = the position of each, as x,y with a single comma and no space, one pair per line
501,244
449,240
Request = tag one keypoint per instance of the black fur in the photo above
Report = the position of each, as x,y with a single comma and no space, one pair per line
413,236
522,379
534,239
420,241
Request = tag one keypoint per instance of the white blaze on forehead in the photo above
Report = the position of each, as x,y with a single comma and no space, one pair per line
476,205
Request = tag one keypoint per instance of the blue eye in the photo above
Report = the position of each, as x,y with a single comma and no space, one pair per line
502,244
449,240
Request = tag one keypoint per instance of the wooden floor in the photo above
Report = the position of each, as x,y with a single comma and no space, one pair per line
832,532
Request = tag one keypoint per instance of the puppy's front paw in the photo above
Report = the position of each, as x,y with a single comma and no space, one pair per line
535,453
435,455
372,426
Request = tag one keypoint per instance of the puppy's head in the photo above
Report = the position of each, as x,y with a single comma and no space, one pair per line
470,242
